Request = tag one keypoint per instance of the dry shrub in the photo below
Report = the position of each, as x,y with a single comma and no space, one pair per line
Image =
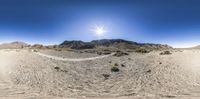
120,53
106,76
35,50
114,69
165,53
116,64
142,50
57,49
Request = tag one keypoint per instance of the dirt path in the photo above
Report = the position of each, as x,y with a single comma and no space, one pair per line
73,60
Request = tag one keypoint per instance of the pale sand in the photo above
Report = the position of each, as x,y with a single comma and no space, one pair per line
73,59
25,74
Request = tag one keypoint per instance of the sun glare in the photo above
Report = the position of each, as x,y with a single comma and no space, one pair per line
99,30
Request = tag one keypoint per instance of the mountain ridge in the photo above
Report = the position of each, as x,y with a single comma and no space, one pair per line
78,44
119,43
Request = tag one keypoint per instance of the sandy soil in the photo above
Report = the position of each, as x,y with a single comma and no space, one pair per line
27,74
74,59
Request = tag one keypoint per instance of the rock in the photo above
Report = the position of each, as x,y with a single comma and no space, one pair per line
123,65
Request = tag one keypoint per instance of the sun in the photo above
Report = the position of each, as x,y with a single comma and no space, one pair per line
99,30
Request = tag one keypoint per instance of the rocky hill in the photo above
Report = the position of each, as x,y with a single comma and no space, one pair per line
14,45
117,43
76,45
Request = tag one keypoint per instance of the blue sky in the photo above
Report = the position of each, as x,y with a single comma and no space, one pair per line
173,22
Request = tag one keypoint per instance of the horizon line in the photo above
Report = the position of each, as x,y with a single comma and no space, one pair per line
57,43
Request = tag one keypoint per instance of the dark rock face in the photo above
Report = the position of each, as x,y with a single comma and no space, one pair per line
117,43
76,45
110,42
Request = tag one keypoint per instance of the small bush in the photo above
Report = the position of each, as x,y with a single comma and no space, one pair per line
106,76
165,53
142,50
35,50
58,49
63,70
116,64
99,53
120,53
106,53
57,68
115,69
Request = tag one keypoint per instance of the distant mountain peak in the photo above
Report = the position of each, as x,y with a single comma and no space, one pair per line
14,45
118,43
18,42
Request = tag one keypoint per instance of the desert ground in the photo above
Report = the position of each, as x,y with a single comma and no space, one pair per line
53,74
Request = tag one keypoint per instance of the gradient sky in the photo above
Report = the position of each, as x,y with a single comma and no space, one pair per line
173,22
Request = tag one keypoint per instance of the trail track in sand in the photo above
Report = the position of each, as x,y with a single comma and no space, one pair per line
75,59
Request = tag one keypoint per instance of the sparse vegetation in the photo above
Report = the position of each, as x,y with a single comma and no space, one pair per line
57,68
106,53
63,70
169,96
99,53
120,53
165,53
60,70
116,64
115,69
106,76
35,50
142,50
57,49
